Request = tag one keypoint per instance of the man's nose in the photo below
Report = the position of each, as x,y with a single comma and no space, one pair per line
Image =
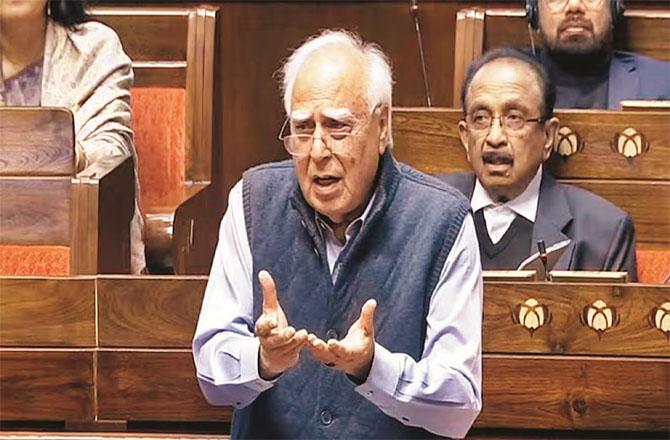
319,148
496,136
575,7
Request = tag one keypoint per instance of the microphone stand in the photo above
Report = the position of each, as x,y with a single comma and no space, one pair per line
414,10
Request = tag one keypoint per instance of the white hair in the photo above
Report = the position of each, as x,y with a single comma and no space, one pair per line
379,78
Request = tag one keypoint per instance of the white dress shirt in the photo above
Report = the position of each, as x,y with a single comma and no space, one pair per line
499,216
441,393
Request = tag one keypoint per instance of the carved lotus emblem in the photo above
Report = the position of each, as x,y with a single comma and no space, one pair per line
659,318
568,142
531,315
599,317
630,143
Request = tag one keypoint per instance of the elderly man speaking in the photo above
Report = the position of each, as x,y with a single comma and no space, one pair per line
345,296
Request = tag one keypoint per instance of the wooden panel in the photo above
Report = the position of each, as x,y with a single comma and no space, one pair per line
47,312
548,392
598,160
116,206
564,331
158,75
648,203
152,385
36,141
148,34
35,210
46,385
148,312
428,140
647,31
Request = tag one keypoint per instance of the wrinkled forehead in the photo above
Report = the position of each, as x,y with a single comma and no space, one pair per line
333,79
503,80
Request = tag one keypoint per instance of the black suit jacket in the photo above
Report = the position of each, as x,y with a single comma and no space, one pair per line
602,236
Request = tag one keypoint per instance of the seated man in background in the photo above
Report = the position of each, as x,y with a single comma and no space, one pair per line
578,37
508,132
370,265
53,55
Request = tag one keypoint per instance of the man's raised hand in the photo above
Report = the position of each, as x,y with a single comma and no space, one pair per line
280,344
354,353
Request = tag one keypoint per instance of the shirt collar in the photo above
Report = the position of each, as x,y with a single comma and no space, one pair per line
525,204
354,226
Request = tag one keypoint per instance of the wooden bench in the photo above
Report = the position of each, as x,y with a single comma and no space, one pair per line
478,30
563,375
173,53
589,157
52,220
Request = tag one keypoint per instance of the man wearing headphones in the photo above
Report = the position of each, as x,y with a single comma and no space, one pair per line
579,56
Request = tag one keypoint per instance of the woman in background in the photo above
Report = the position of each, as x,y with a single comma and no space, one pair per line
53,55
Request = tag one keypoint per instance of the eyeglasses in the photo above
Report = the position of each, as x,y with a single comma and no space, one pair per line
299,145
512,122
559,5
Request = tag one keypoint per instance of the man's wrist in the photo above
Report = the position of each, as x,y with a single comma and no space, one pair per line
264,372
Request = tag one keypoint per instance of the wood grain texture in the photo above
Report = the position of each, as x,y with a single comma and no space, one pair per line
148,312
46,385
35,210
53,312
152,385
428,140
554,392
195,234
159,76
597,129
115,186
564,332
36,141
645,31
148,34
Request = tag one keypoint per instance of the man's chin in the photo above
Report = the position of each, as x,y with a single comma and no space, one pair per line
577,46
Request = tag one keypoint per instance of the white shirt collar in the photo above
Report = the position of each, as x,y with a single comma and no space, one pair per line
525,204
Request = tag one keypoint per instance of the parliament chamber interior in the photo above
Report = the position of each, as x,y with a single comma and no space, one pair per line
90,350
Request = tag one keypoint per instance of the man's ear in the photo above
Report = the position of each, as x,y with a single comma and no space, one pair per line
383,128
463,134
550,130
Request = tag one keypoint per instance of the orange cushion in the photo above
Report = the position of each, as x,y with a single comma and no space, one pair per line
29,260
160,130
652,266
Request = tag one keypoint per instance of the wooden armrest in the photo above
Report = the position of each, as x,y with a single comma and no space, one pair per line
104,194
196,227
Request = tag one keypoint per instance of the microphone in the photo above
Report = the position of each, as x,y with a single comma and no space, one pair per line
542,251
532,40
414,10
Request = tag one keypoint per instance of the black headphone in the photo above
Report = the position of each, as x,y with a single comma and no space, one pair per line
533,13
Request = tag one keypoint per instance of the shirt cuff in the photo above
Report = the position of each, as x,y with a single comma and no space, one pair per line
249,367
380,386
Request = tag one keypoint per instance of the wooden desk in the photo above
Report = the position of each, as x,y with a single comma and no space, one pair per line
118,348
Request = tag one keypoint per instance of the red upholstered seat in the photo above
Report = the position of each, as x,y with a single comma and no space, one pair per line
160,130
653,266
34,260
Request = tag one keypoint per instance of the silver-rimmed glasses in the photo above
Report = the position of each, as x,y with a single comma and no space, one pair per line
299,145
512,122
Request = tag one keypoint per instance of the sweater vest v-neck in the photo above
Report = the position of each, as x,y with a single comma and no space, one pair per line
396,258
511,250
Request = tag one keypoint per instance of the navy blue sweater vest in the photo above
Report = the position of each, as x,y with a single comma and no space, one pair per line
396,258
